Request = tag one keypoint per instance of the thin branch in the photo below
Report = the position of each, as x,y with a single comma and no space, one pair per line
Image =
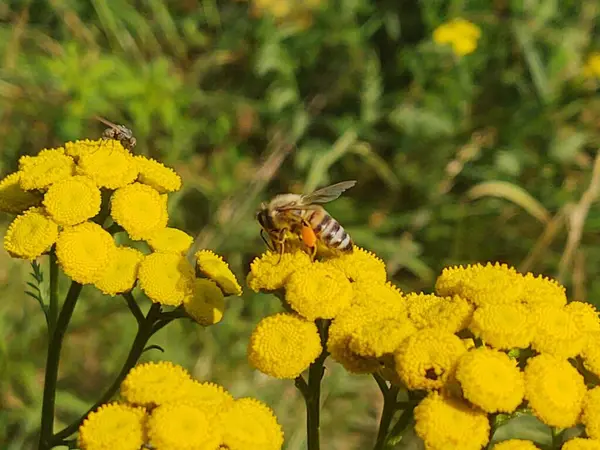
134,307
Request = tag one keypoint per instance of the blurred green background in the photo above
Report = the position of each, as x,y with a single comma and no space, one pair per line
486,157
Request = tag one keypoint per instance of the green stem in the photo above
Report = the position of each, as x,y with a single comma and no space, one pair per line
52,362
403,421
390,394
145,331
53,303
312,395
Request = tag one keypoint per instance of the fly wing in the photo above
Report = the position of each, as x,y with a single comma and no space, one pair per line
327,194
108,123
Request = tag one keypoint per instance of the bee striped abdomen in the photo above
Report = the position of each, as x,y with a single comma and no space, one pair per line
329,231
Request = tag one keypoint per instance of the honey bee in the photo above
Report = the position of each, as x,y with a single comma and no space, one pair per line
118,132
303,216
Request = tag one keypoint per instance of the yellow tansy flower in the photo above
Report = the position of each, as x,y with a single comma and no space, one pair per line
139,209
250,425
461,34
428,358
72,200
30,234
269,272
15,200
155,174
109,165
360,265
170,240
503,325
207,305
446,423
515,444
585,316
166,278
591,69
113,426
581,444
375,339
381,299
81,147
213,266
182,427
154,383
447,313
209,397
491,380
557,332
554,390
284,345
591,413
317,291
539,291
85,252
48,167
591,353
122,271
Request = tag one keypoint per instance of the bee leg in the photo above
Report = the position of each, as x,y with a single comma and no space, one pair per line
267,241
281,243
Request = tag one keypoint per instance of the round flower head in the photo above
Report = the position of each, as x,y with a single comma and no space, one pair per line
72,200
109,165
491,380
250,425
591,353
428,358
48,167
557,332
461,34
15,200
481,285
85,252
554,390
121,273
213,266
375,339
75,149
155,174
154,383
360,265
585,316
284,345
166,278
447,313
317,291
581,444
209,397
446,423
515,444
182,427
269,272
542,292
139,209
113,426
207,305
382,300
591,413
170,240
30,235
503,325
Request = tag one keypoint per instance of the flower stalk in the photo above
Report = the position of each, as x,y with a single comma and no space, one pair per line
390,404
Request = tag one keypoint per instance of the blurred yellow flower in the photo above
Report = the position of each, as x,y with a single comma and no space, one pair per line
250,425
591,69
557,332
585,316
503,325
72,200
447,313
166,278
207,304
360,265
109,165
381,337
269,272
491,380
539,292
591,413
113,426
461,34
284,345
121,273
170,240
581,444
85,252
154,383
155,174
515,444
591,353
318,291
554,390
428,358
446,423
30,234
216,269
182,427
139,209
48,167
15,200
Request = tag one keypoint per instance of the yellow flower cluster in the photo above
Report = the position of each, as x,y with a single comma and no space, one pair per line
162,407
68,198
490,340
591,69
459,33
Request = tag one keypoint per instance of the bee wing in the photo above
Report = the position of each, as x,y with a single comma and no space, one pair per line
327,194
108,123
